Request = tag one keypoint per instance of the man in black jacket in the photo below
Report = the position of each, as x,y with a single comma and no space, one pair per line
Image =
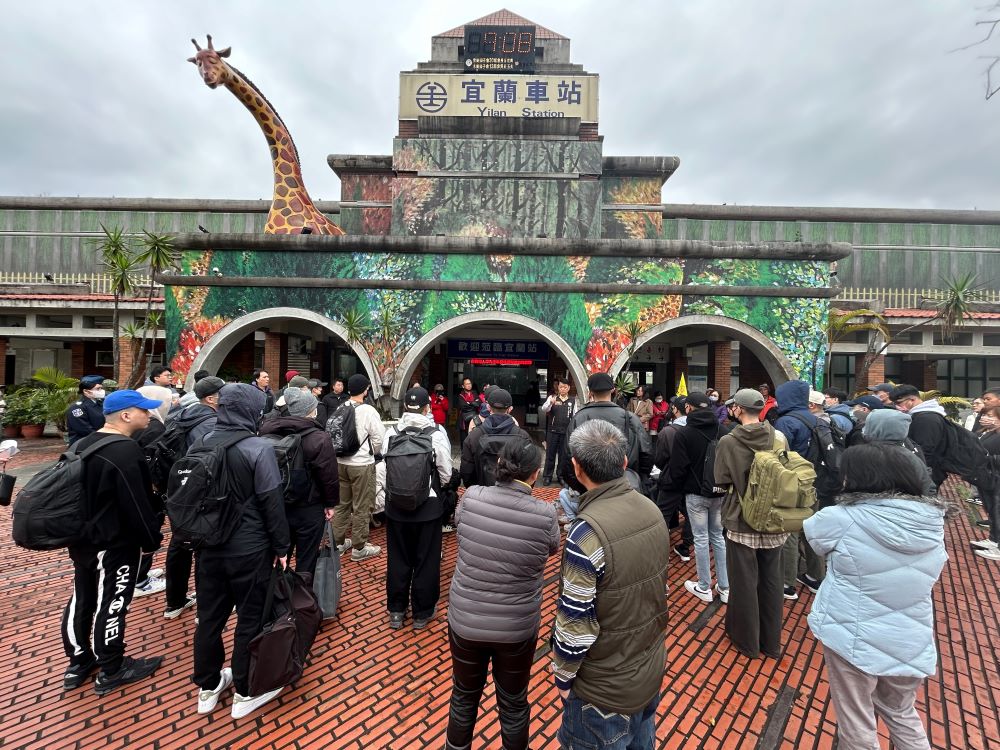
308,515
498,423
928,428
703,504
559,409
640,453
670,497
237,572
119,497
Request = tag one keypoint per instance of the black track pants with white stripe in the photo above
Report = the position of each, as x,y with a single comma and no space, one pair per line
93,622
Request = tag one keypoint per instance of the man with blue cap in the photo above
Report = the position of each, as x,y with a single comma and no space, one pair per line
123,525
84,415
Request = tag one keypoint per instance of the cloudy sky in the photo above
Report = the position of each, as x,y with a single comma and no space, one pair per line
849,103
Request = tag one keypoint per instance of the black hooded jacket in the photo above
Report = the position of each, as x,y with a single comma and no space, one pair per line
255,471
494,424
318,453
687,459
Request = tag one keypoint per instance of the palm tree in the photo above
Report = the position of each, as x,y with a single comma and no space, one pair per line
626,383
119,261
843,323
960,295
355,326
159,255
61,390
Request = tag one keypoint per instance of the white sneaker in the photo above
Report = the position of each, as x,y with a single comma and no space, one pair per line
243,705
369,550
447,528
173,614
155,573
345,547
209,699
984,544
989,554
723,594
704,594
149,586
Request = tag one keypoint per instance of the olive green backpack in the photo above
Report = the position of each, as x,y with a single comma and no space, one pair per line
781,491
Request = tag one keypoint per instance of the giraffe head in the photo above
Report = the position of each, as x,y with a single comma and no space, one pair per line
209,61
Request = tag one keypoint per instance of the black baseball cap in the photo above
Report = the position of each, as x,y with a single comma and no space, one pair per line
600,382
499,398
697,400
416,398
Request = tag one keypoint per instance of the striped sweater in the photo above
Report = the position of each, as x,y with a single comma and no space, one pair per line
576,627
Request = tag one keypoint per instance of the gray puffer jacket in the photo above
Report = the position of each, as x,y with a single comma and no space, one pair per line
505,537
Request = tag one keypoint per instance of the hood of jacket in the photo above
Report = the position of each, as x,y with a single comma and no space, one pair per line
420,421
192,415
241,407
792,396
704,421
887,425
840,409
286,425
755,436
498,424
911,527
930,405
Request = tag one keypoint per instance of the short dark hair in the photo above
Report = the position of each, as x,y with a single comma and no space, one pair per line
256,374
159,370
995,392
836,393
518,460
880,467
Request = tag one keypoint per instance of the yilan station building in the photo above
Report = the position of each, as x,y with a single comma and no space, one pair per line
497,241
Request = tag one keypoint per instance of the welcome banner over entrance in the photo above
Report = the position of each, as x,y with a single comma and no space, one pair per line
497,95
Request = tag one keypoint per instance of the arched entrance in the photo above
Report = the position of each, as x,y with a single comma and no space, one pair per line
501,324
281,320
765,360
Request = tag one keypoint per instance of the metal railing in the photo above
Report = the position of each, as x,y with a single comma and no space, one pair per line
100,283
907,299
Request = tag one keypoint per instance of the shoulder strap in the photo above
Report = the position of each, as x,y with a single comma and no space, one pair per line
91,449
802,419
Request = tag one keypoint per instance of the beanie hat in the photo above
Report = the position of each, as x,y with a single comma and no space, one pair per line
299,403
356,384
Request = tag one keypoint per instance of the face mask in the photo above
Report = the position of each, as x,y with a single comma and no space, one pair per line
659,400
97,393
713,399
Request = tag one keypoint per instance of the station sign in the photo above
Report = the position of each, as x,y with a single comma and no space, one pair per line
497,349
497,95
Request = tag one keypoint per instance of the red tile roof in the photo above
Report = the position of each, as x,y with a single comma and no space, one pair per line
896,312
504,17
367,686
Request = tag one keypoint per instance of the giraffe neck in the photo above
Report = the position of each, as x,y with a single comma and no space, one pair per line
284,155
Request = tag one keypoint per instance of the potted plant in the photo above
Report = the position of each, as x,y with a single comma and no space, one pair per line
11,420
60,390
34,410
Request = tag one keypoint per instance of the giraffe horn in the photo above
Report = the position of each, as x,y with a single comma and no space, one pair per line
210,42
195,43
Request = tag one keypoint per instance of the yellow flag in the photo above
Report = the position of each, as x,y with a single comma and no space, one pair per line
682,389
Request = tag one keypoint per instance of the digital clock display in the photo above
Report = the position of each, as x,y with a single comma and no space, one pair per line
499,48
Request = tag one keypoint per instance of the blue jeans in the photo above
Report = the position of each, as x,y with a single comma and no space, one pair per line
705,515
570,502
586,727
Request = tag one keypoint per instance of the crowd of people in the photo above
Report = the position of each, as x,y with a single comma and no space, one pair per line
863,530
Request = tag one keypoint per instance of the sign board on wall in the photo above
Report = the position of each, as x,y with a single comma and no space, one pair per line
493,348
497,95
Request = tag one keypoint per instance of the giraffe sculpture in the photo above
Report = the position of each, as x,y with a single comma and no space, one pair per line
292,210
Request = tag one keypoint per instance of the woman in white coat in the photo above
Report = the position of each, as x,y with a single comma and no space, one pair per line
884,549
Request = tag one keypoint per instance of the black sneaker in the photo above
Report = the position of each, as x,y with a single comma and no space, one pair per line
983,524
684,553
131,670
77,674
791,594
420,624
396,620
809,582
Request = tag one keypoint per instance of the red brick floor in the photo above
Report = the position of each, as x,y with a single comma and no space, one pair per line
369,687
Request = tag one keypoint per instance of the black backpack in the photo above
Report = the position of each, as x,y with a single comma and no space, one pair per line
171,446
204,498
706,484
343,430
296,481
409,467
964,455
827,444
53,511
487,455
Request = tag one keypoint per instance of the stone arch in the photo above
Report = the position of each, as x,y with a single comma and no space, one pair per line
440,331
215,350
778,367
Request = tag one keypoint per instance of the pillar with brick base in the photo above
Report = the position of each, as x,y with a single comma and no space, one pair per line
77,359
720,367
273,346
875,374
128,349
678,365
3,361
928,379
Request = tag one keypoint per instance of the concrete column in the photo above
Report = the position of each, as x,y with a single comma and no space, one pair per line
78,359
272,357
720,366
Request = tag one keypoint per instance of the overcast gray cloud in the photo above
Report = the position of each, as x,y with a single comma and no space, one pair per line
767,102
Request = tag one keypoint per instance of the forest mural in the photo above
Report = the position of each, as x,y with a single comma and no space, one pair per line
471,188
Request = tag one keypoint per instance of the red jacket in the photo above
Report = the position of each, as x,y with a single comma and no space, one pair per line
439,408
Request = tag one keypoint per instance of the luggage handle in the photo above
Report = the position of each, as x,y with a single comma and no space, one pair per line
277,578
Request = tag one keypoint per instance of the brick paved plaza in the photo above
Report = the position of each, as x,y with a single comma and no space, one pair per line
369,687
